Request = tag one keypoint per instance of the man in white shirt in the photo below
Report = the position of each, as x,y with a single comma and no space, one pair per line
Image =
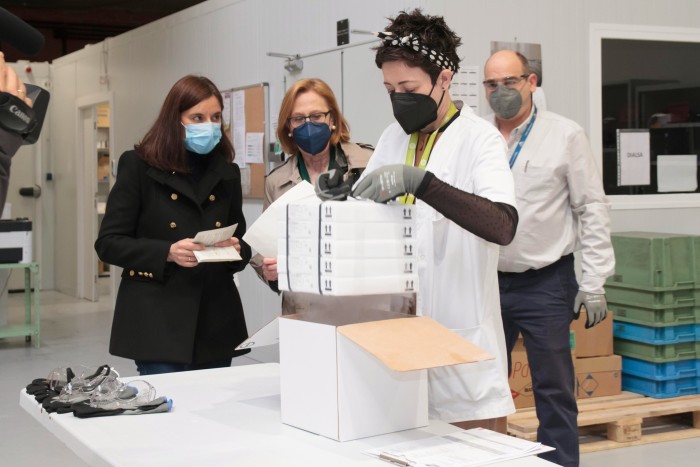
562,209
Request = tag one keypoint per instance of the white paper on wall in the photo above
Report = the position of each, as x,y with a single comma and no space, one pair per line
633,159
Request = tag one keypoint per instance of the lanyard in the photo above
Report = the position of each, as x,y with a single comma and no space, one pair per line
519,146
413,144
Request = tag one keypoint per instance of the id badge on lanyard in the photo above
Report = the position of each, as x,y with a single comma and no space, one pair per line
519,146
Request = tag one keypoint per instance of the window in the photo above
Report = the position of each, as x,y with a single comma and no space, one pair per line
648,81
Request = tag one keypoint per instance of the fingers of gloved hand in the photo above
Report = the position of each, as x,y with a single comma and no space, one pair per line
331,185
382,185
596,308
327,180
595,317
412,177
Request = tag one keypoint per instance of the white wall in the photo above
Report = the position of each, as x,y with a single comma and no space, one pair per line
228,41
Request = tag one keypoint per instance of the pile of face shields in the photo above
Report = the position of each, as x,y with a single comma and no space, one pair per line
88,393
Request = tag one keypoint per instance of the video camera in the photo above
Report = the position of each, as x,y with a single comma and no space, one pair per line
15,115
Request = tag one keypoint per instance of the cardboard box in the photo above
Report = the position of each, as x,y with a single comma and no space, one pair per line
595,377
103,167
519,379
598,376
364,373
594,342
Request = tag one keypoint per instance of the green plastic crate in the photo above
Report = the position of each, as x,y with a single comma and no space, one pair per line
657,353
660,315
651,297
652,259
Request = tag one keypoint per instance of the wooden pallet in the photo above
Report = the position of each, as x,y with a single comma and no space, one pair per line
625,420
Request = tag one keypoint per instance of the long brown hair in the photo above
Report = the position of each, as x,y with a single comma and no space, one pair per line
163,146
342,129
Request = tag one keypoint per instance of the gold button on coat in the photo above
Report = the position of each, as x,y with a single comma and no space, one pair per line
173,196
140,273
173,225
131,273
218,224
212,197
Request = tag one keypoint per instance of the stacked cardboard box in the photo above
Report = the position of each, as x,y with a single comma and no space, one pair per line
347,248
597,369
655,295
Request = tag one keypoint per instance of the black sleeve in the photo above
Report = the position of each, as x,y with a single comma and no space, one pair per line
494,222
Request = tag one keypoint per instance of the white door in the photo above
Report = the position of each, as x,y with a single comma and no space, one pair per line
87,207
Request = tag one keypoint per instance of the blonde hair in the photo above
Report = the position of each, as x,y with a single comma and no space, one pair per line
341,133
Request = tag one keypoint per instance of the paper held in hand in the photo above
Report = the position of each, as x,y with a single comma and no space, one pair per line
262,235
211,253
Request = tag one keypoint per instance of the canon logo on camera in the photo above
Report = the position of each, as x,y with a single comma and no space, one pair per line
22,116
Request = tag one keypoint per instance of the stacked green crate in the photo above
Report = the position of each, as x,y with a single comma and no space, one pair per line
655,300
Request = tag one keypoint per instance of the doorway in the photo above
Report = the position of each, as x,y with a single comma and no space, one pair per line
94,178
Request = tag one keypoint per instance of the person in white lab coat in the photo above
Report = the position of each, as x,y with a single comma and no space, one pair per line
453,163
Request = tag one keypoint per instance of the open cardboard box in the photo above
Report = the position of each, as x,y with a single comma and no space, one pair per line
363,373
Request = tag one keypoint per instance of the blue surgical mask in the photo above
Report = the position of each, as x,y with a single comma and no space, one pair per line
202,137
312,137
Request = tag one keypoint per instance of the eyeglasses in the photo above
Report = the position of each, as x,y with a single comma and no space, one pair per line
508,81
316,117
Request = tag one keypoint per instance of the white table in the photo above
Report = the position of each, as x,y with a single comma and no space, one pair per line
227,416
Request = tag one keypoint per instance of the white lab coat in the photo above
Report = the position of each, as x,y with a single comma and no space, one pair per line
457,270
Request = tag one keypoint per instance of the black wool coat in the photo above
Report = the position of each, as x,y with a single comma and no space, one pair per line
164,312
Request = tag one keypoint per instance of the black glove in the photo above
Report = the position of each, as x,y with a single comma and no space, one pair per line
331,185
39,388
389,182
158,405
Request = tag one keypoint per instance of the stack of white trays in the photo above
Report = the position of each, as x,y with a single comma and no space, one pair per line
347,248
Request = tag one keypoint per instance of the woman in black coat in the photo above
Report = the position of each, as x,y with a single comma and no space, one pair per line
172,313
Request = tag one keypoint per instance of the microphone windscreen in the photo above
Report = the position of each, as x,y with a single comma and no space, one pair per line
19,34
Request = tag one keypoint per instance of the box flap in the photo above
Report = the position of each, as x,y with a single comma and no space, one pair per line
267,335
413,343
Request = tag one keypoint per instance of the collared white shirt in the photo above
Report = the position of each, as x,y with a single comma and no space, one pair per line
562,206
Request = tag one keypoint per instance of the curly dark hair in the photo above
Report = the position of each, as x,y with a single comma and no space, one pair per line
431,31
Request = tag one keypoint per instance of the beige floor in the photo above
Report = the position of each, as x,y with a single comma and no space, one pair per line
76,332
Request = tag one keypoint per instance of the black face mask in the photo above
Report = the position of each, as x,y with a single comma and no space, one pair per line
414,111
